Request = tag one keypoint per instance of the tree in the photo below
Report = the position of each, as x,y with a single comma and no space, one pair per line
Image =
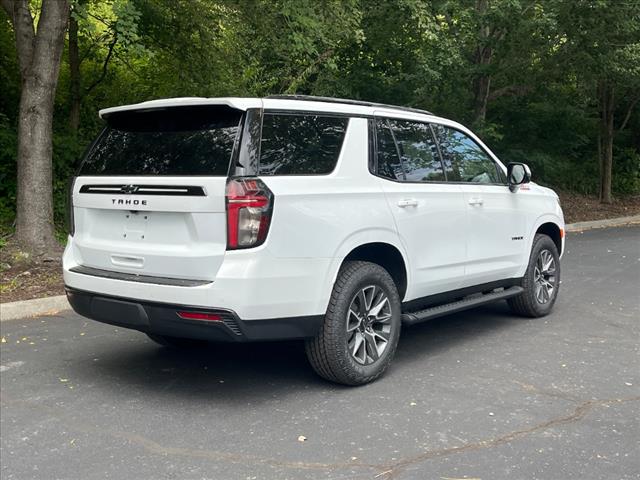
108,28
39,52
602,48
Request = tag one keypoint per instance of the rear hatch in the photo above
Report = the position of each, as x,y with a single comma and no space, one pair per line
149,198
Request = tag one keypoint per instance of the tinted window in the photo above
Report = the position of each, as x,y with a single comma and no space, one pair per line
300,144
172,141
389,165
464,159
420,158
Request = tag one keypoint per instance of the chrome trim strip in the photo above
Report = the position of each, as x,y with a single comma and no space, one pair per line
133,277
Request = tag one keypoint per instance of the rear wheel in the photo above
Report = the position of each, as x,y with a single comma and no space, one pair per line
541,280
361,328
176,342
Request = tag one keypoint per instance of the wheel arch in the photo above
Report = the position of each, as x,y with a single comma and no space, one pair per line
554,231
374,245
385,255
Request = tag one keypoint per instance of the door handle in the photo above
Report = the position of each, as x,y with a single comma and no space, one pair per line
476,201
408,202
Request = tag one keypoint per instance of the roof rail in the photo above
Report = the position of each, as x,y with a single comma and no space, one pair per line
348,101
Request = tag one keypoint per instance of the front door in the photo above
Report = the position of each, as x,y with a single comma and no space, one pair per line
496,219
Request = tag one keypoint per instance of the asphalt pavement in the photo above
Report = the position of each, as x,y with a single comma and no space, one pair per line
478,395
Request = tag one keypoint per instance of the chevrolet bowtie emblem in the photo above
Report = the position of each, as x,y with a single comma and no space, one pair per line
129,189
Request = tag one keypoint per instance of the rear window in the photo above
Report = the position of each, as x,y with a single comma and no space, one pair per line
295,144
194,140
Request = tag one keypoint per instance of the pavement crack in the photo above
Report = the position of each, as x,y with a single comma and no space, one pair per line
555,393
579,412
383,471
159,449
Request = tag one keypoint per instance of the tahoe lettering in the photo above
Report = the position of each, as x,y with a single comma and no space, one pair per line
120,201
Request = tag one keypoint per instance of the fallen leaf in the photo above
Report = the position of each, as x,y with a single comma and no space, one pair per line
302,438
4,340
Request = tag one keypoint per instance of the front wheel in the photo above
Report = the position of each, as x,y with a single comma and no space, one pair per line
541,281
361,328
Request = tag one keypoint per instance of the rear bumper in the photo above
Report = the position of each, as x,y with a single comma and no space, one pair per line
162,319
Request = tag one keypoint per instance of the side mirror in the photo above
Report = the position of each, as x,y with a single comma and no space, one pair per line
517,174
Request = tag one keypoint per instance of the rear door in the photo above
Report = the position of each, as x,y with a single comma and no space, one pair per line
429,213
150,195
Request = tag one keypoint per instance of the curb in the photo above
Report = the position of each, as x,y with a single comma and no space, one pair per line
53,305
33,308
610,222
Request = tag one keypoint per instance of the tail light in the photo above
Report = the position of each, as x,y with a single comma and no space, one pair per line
210,317
249,207
69,220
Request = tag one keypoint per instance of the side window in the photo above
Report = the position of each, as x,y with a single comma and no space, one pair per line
464,160
300,144
389,165
420,158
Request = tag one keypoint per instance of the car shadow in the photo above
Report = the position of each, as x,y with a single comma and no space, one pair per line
229,371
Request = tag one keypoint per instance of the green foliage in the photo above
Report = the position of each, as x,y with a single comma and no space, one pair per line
546,60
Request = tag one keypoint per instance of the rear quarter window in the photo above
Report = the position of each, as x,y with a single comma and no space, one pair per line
300,144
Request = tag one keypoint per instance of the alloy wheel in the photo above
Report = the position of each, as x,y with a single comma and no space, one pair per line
544,277
368,324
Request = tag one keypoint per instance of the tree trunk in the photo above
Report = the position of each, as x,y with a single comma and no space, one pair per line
39,56
74,76
481,90
607,109
482,59
34,216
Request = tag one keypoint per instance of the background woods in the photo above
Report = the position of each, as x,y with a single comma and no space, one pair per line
552,83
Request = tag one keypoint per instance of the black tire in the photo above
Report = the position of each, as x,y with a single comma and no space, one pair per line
527,303
176,342
329,352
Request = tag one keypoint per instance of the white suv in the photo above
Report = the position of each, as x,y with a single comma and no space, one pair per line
329,220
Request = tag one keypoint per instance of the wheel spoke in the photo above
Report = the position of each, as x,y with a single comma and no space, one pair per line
353,320
382,335
382,301
372,346
361,301
358,348
383,318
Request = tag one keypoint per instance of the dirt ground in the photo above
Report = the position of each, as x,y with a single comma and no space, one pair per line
23,278
582,208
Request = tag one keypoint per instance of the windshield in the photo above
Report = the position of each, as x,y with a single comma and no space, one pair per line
195,140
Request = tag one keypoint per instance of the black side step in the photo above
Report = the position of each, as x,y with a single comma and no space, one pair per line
410,318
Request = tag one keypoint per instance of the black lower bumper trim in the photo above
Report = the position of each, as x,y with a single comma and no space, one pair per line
162,319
